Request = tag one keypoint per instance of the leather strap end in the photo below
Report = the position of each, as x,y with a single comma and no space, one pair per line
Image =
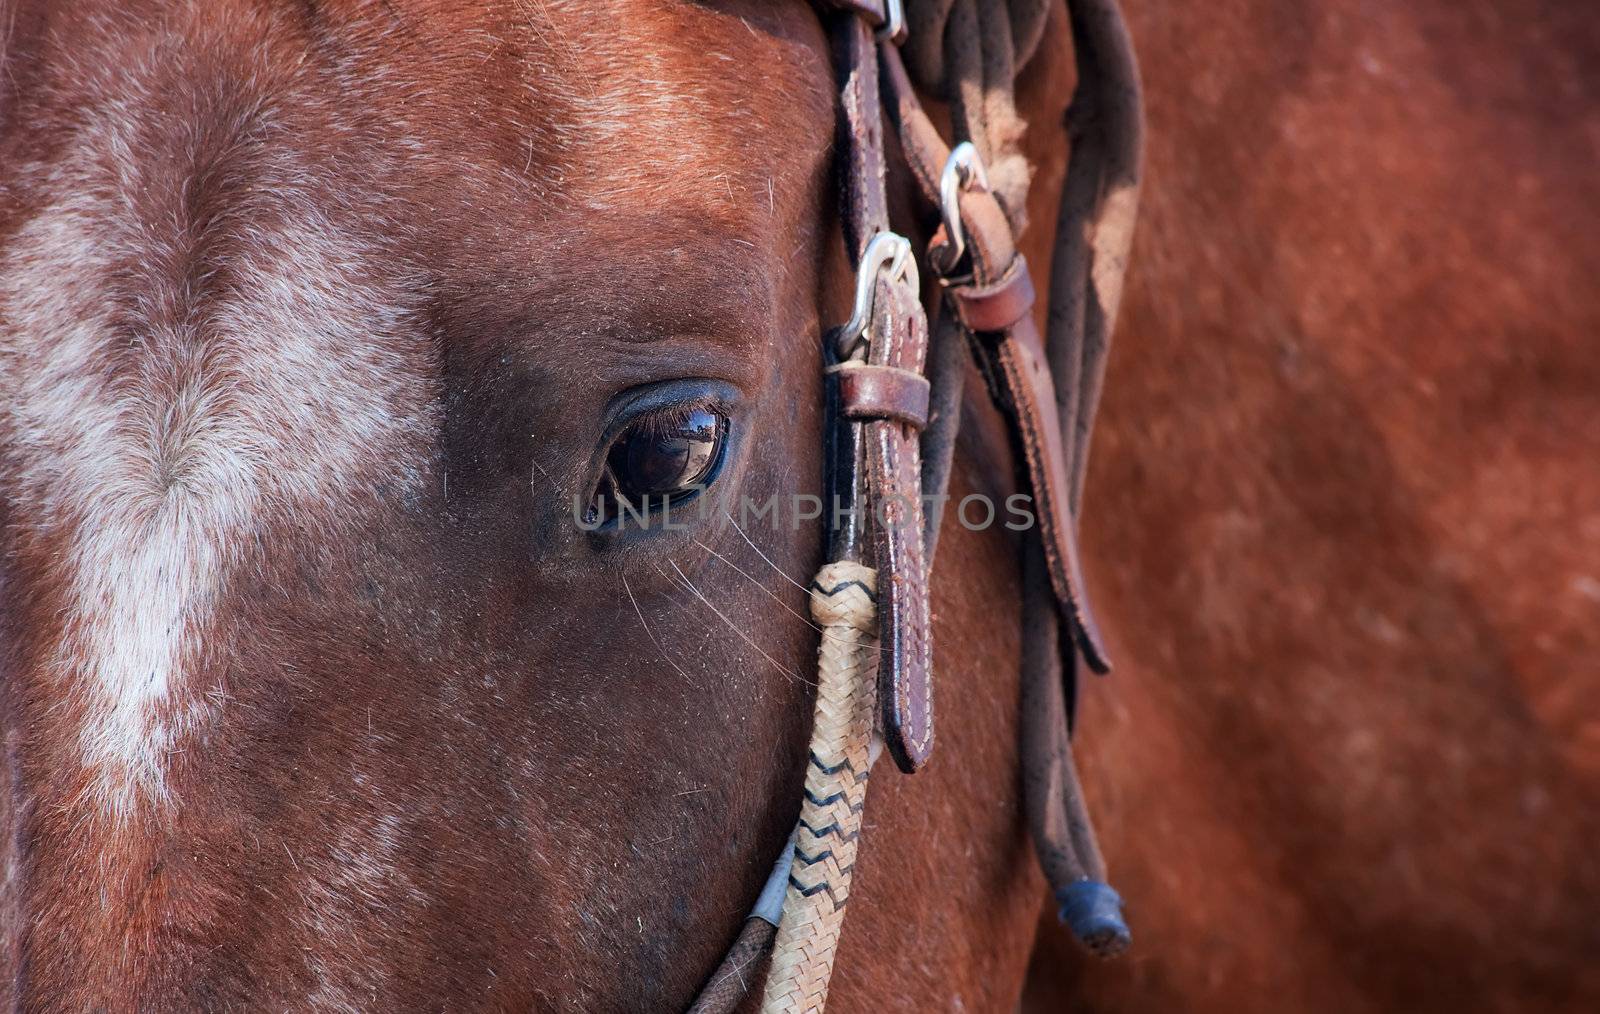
892,388
882,392
1086,632
907,745
1093,911
1014,361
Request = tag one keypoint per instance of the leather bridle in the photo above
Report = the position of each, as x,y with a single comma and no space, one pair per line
892,422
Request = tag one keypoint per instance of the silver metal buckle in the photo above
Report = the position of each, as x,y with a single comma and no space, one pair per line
886,250
894,25
963,170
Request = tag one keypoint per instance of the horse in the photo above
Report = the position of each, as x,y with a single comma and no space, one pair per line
321,323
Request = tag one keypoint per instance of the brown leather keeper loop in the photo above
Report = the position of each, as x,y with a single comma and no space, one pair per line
882,392
997,307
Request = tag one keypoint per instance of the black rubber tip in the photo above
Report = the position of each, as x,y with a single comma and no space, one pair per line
1093,911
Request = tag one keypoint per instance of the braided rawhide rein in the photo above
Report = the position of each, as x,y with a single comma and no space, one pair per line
843,602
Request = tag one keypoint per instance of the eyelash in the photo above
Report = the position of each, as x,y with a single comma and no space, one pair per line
661,422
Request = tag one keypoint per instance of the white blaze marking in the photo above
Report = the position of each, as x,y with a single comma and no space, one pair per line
284,405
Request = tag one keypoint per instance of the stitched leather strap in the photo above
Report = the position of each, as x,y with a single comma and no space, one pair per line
1013,360
861,179
877,452
894,484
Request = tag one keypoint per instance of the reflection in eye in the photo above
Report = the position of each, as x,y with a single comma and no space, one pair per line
660,460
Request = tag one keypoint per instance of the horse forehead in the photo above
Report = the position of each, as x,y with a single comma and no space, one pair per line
657,101
650,99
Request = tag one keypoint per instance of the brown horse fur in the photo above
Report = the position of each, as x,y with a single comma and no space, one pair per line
309,316
314,696
1344,517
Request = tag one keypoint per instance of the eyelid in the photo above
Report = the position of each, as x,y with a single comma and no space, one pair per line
637,404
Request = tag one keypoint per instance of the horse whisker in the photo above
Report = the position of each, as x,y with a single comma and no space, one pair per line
735,628
770,593
651,634
784,574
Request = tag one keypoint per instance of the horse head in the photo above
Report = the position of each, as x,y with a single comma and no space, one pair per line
410,414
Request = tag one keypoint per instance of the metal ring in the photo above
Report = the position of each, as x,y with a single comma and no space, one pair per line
963,170
894,25
887,249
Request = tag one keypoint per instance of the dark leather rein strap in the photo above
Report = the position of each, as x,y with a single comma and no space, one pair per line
989,289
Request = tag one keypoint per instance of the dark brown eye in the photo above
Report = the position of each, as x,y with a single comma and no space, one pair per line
661,459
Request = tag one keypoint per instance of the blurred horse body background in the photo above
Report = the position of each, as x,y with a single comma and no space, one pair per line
1344,518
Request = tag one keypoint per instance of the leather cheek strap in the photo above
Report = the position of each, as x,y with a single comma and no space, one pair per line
1007,343
886,386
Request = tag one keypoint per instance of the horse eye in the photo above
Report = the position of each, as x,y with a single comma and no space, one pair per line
660,459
